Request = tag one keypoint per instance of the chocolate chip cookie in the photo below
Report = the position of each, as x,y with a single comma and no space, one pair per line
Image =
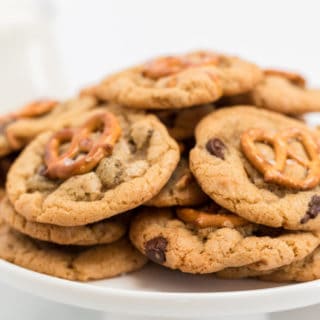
179,81
209,239
181,123
72,263
261,165
115,161
181,190
282,92
306,269
106,231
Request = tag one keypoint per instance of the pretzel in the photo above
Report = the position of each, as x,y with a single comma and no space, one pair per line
294,78
36,108
203,219
280,142
84,152
31,110
166,66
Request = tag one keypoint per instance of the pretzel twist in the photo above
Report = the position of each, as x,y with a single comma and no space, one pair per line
31,110
203,219
274,173
36,108
166,66
84,151
294,78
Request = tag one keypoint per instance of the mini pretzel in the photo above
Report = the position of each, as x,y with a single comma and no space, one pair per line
33,109
280,142
294,78
84,152
166,66
36,108
203,219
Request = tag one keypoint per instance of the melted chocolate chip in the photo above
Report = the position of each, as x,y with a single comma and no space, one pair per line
313,209
216,147
156,248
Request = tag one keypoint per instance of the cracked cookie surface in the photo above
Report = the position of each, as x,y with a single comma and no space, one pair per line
72,263
181,123
106,231
281,92
141,163
306,269
169,241
230,179
160,85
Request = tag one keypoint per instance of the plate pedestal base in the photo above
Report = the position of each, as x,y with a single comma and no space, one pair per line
111,316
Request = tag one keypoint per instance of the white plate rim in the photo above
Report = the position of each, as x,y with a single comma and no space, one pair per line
264,300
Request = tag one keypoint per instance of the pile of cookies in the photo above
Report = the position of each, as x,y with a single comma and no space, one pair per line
199,162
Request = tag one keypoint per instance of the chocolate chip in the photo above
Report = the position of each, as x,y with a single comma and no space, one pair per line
313,209
216,147
156,248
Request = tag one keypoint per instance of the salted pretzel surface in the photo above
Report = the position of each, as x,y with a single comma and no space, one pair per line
88,144
294,78
204,219
31,110
273,171
166,66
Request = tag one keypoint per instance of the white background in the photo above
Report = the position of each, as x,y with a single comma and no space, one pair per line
91,38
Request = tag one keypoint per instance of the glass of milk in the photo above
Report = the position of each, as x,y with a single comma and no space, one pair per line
30,67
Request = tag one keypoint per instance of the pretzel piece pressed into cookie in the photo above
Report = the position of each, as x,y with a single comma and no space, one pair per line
203,219
294,78
88,145
274,172
31,110
166,66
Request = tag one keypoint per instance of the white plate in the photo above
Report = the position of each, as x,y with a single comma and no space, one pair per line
156,291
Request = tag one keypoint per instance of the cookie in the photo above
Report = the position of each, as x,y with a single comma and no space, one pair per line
106,231
206,240
181,123
181,190
282,92
179,81
306,269
19,128
72,263
116,161
261,165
